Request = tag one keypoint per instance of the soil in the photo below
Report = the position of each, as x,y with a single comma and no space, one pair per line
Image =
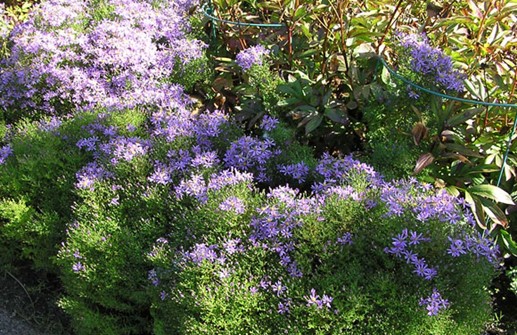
28,307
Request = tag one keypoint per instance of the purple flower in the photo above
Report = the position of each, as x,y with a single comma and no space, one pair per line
283,308
269,123
88,175
313,299
5,152
88,143
278,288
250,154
202,252
194,187
161,174
153,277
251,56
456,248
78,267
432,62
326,301
233,204
345,239
233,246
434,303
399,244
298,171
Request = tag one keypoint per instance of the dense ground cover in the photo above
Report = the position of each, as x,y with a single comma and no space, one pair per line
159,176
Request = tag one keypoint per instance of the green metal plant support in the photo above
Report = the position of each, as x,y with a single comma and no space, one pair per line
381,61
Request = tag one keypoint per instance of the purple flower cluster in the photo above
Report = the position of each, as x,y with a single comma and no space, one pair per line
5,152
337,171
251,56
314,300
269,123
400,248
233,204
202,252
91,173
251,154
298,171
432,62
434,303
82,61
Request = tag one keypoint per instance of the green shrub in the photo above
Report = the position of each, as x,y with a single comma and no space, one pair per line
36,184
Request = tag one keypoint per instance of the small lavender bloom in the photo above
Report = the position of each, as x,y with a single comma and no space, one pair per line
152,276
399,244
345,239
77,254
253,290
415,238
298,171
50,125
313,299
423,270
434,303
163,295
326,301
131,128
229,178
456,248
5,152
278,288
127,148
293,270
77,267
251,56
202,252
161,174
233,204
264,283
233,246
205,159
269,123
88,143
412,94
88,175
283,308
195,187
431,61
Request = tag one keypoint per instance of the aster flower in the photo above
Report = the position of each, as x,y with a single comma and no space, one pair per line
432,62
5,152
313,299
233,204
251,56
434,303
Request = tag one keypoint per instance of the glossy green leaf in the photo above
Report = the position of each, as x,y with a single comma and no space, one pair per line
494,213
492,192
313,123
464,116
508,242
477,209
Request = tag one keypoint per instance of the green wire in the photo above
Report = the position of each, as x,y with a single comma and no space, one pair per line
381,60
244,24
475,102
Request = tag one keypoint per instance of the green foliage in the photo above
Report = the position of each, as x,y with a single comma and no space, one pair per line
373,292
36,191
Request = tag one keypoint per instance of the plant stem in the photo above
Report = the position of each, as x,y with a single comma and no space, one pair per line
389,24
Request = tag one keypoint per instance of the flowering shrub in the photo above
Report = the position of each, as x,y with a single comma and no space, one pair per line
113,54
430,63
159,220
251,56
